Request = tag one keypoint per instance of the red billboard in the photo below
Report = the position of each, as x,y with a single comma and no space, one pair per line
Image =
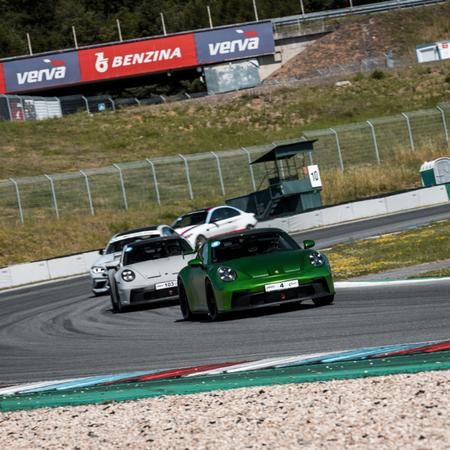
136,58
2,80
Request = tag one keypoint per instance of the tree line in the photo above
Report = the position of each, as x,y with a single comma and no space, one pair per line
49,22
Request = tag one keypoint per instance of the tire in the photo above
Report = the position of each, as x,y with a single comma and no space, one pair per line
199,241
324,301
213,313
114,292
184,304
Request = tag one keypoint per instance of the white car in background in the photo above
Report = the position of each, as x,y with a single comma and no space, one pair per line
113,250
148,271
199,225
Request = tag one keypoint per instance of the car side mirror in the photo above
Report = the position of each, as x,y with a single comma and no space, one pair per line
308,243
195,263
101,251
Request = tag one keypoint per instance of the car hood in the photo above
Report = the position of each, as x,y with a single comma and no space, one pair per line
103,259
161,267
268,264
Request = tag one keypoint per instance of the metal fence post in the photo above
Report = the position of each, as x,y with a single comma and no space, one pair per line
88,189
338,147
219,171
252,175
408,124
137,101
122,185
155,181
19,202
8,104
112,104
188,177
375,143
55,203
444,123
86,103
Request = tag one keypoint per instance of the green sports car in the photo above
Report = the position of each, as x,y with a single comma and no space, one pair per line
252,269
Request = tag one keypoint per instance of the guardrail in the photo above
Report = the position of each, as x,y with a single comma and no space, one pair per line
22,274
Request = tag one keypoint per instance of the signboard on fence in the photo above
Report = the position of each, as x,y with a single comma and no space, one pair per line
41,72
2,80
227,44
135,58
433,52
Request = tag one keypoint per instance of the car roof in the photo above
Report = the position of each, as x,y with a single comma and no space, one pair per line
252,232
136,230
156,239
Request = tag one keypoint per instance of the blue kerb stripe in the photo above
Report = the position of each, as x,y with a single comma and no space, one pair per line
356,354
90,381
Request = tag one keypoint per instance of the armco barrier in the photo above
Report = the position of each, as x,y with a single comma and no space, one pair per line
80,264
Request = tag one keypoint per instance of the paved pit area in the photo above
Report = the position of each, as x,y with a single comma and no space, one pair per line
391,412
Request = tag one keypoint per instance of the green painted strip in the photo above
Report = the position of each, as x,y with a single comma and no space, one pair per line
447,186
179,386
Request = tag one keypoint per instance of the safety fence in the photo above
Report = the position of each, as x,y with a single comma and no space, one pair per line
223,174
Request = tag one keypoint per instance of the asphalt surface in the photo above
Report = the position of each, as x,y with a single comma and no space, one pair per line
60,330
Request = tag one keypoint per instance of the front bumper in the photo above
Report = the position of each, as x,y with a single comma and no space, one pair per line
100,285
142,295
253,295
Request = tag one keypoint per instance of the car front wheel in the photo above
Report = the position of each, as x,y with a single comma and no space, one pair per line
115,296
184,304
213,312
323,301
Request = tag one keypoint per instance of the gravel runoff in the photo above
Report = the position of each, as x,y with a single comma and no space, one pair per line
391,412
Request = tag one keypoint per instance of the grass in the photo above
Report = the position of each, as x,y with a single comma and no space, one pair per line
391,251
439,273
213,124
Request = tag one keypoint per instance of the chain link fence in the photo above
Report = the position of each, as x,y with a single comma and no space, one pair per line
213,175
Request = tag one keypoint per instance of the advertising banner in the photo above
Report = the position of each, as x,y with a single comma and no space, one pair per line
134,58
2,80
444,49
245,41
41,72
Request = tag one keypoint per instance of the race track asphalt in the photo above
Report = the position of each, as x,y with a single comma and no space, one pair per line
59,330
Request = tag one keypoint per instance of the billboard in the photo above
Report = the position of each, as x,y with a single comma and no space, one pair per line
41,72
136,58
226,44
2,80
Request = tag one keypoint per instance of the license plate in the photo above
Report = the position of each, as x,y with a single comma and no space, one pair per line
166,285
281,286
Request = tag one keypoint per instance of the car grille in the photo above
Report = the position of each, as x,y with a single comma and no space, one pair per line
245,299
145,295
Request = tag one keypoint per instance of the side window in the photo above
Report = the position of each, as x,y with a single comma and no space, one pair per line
204,254
219,214
166,231
230,212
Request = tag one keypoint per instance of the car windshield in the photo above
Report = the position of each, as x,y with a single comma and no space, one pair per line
253,244
155,250
189,220
117,246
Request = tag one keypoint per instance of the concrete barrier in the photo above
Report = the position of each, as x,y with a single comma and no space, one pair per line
29,273
80,264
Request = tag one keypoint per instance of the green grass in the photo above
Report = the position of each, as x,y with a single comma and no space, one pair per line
231,121
391,251
439,273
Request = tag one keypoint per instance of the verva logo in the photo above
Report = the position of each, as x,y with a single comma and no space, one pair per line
55,71
248,41
152,55
227,44
41,72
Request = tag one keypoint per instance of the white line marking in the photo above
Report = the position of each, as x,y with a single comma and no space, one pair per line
375,283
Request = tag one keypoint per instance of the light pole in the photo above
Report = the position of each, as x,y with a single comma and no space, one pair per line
163,23
209,16
255,10
302,7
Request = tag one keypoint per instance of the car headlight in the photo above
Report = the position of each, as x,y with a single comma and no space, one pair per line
97,269
226,274
316,259
128,275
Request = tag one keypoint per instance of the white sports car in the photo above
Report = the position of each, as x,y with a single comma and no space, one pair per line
148,271
197,226
113,250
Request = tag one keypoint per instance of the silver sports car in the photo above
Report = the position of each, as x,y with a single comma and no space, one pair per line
147,271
